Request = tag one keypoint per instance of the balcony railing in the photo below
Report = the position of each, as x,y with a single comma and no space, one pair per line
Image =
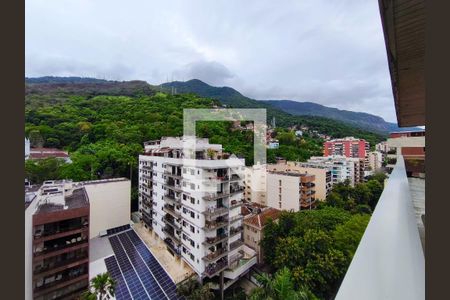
172,223
236,218
217,195
210,241
214,268
236,244
389,261
171,210
171,233
236,230
215,211
169,197
219,253
70,242
215,224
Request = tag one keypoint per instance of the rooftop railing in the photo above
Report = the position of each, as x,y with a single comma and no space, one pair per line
389,262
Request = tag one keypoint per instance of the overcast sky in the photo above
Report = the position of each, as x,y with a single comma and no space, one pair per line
328,52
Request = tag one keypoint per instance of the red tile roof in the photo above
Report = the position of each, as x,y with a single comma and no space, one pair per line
260,220
41,153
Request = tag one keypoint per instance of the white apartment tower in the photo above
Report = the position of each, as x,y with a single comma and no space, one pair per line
192,200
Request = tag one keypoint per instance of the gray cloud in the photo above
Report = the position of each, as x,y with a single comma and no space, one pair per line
329,52
212,72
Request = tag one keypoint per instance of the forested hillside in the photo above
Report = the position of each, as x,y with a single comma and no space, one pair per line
103,125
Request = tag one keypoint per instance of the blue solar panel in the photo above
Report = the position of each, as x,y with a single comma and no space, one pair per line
147,278
135,264
135,286
121,291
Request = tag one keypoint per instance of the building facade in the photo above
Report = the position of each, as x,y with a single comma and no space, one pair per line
410,144
375,160
342,168
254,224
290,191
323,180
192,201
348,147
61,217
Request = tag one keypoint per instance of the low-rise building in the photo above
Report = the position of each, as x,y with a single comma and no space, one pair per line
43,153
254,224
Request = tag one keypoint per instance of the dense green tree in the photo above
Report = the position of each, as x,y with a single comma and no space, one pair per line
279,287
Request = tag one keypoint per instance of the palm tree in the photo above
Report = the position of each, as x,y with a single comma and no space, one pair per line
101,287
279,287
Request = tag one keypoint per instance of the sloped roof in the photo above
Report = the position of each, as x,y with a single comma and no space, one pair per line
260,220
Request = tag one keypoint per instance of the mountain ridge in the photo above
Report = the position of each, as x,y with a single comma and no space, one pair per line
230,96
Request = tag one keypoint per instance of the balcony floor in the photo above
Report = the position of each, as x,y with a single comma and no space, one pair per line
417,190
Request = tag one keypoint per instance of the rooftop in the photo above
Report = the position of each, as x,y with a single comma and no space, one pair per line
77,199
261,218
40,153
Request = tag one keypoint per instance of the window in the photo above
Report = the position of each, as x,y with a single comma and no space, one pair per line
192,186
279,181
192,200
184,170
192,215
192,229
192,257
192,172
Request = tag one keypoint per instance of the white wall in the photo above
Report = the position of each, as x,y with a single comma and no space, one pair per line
110,205
29,249
290,191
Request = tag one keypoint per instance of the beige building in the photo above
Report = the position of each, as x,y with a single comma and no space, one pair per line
255,178
375,160
254,224
291,191
323,180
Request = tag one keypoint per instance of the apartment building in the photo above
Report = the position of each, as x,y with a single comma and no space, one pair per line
410,144
254,224
60,219
375,160
255,179
342,168
290,191
323,180
348,147
191,199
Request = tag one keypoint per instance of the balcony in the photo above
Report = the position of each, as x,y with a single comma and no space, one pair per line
236,244
213,269
216,224
55,246
172,223
240,263
172,198
211,241
236,230
171,234
235,203
59,280
218,195
216,211
171,210
219,253
52,265
236,218
173,175
389,259
172,246
59,229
